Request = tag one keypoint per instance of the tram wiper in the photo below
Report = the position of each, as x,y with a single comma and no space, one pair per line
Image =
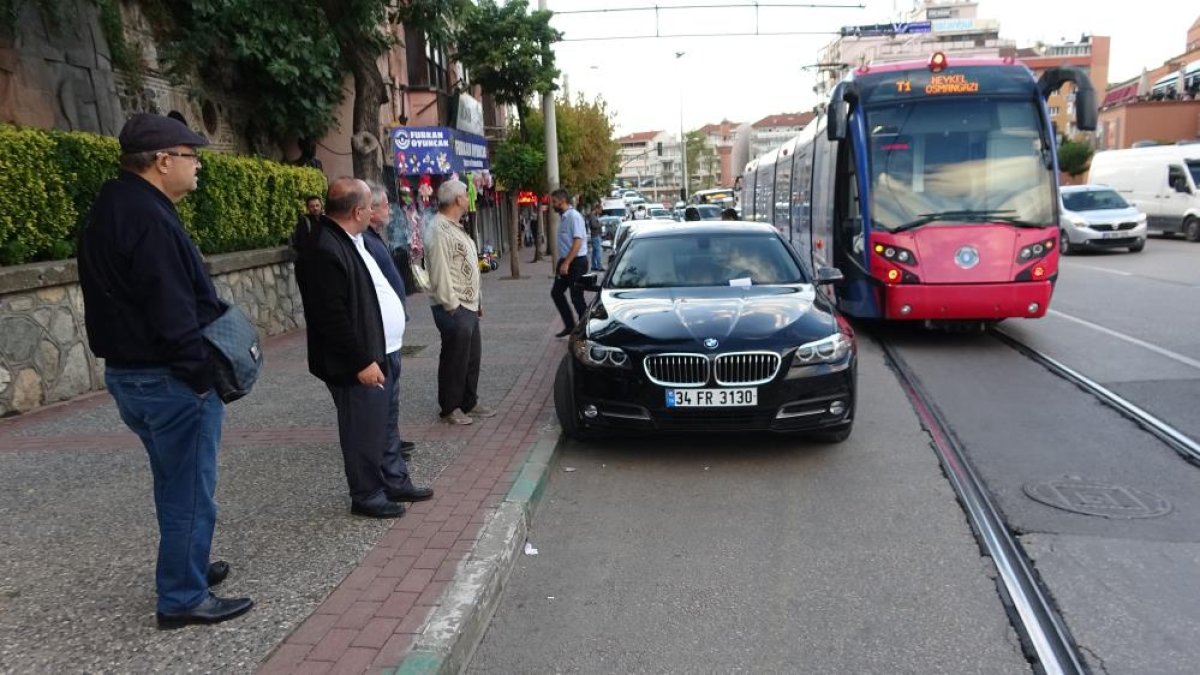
966,215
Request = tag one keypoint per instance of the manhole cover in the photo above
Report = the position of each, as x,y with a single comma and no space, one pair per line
1093,498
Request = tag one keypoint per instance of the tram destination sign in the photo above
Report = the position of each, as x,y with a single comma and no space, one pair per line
897,28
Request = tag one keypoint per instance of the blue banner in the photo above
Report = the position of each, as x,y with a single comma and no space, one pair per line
437,151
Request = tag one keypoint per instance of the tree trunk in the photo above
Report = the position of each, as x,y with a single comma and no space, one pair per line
536,223
514,234
369,95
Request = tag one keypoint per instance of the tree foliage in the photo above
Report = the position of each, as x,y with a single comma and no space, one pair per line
701,159
589,158
520,165
1074,157
506,49
278,56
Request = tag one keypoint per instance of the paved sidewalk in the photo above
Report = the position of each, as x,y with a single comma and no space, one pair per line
335,593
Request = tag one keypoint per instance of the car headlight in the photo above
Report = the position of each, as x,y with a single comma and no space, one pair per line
1079,223
595,354
1141,219
826,350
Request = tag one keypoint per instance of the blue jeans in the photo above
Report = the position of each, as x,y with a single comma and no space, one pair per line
181,431
594,249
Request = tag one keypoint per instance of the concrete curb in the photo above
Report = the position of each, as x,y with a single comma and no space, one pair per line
458,625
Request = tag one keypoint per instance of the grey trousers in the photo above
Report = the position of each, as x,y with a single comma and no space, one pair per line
369,431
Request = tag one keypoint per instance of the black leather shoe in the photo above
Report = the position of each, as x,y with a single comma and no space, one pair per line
406,448
217,571
410,494
212,610
564,332
385,510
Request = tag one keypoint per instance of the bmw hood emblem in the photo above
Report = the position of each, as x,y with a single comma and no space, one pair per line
711,343
966,257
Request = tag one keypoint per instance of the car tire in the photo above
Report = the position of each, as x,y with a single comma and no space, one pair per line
1064,244
1136,248
564,403
1191,228
836,435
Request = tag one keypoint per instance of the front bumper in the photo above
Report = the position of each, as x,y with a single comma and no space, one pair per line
796,400
967,301
1089,238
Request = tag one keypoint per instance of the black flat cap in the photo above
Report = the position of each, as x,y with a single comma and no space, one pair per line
145,132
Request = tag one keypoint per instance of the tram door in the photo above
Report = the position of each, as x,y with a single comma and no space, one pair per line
856,294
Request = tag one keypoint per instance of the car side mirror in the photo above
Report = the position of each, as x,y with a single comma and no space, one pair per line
829,275
589,282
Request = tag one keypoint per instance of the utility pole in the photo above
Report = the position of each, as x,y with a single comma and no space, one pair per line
551,157
683,190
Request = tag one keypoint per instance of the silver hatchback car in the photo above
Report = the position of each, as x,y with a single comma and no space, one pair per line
1096,217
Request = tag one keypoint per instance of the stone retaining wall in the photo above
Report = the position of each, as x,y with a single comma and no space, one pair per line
44,356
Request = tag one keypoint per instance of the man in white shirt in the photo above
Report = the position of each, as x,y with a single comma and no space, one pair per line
355,325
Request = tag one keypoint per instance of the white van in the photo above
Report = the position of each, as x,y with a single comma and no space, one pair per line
614,207
1160,181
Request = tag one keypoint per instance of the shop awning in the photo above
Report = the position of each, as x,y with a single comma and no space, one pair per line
437,151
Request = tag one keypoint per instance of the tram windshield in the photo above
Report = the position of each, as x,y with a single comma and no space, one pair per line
959,160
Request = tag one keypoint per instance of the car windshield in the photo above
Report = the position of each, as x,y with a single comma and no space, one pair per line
709,212
962,160
705,260
1093,200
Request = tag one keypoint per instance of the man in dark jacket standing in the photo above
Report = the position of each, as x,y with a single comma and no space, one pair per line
147,298
354,321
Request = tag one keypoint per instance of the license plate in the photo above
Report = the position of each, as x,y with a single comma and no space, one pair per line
1112,235
711,398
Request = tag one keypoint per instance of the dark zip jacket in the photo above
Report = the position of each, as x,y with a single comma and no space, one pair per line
341,311
146,293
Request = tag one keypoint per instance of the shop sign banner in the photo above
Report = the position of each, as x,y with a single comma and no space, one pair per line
437,151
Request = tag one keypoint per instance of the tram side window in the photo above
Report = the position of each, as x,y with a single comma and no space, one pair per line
748,195
783,195
764,184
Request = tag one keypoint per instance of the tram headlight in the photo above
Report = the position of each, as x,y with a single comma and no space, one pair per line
892,253
1036,251
595,354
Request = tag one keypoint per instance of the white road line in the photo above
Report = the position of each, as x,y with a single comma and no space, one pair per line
1187,361
1103,269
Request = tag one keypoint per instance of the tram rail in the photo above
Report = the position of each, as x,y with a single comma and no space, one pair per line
1045,635
1187,447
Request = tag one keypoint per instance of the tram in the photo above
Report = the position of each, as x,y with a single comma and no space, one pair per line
931,185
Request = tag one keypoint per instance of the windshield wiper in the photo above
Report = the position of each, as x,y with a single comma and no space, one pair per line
967,216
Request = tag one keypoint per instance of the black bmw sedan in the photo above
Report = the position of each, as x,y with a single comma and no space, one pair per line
709,327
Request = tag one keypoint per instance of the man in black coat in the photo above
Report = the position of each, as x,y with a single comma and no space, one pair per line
147,298
355,322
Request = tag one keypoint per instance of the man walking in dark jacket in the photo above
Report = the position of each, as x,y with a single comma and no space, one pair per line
354,321
147,297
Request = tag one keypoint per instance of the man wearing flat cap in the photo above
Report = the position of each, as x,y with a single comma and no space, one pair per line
147,297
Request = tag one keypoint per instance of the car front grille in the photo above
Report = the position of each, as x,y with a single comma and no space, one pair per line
747,368
693,370
1113,227
677,370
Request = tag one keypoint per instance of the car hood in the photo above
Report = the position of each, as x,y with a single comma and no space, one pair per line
1104,216
755,317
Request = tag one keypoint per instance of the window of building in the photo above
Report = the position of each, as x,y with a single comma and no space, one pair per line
1055,110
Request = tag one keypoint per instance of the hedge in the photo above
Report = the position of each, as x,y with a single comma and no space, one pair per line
48,180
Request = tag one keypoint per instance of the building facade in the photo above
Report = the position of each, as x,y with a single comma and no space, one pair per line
773,130
650,162
722,137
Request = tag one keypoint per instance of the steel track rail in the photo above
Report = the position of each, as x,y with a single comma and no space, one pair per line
1179,442
1033,614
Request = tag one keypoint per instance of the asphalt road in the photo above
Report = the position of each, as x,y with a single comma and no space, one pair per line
737,554
1125,585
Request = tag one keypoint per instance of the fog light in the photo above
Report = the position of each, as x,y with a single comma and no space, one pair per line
906,309
1034,307
590,412
837,408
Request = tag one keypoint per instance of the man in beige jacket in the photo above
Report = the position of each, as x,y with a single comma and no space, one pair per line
454,290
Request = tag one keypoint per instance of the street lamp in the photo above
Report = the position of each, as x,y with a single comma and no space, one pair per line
683,190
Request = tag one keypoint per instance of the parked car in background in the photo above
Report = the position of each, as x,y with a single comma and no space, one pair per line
1096,217
659,213
609,225
708,327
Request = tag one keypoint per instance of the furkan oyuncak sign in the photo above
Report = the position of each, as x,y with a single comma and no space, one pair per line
437,151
